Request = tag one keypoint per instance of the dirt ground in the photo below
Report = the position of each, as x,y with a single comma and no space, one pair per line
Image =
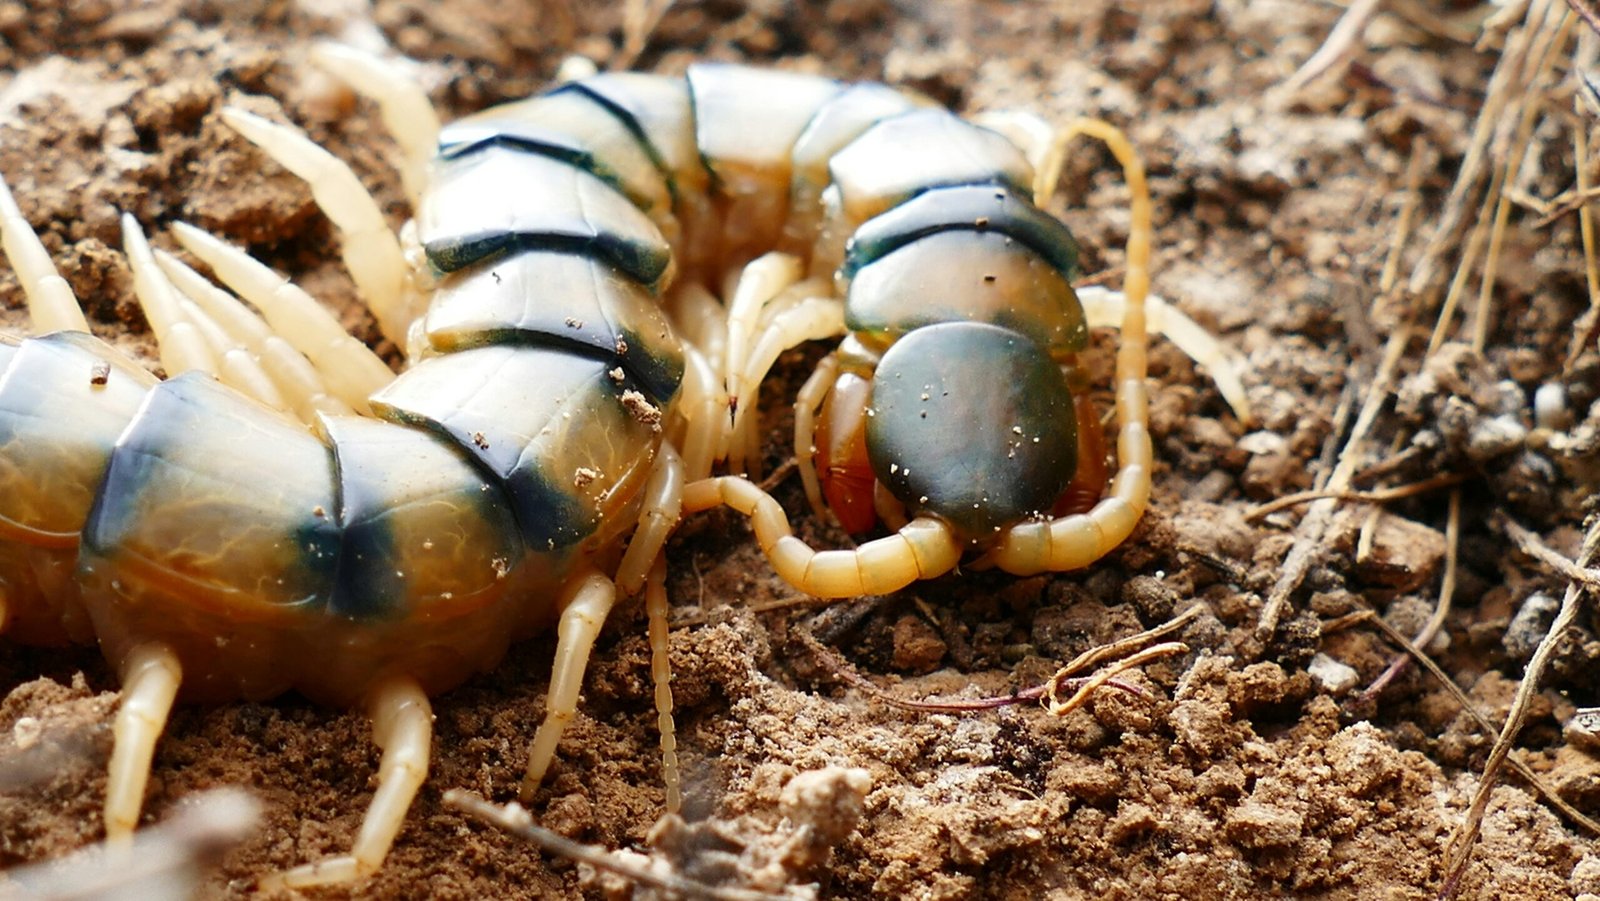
1246,771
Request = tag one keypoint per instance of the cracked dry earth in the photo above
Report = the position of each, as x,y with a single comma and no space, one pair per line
1238,774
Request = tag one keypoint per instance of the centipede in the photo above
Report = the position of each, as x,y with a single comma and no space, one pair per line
596,283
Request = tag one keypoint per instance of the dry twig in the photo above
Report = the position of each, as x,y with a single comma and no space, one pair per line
514,820
1382,495
1459,852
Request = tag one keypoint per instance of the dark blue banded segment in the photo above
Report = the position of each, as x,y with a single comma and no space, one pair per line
566,434
562,300
976,208
422,529
64,399
659,109
570,126
903,156
501,201
619,98
216,499
963,276
837,123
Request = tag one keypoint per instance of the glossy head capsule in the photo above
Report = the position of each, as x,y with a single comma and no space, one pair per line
974,423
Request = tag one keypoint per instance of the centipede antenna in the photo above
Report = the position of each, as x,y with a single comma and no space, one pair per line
183,347
299,383
151,676
351,370
656,608
407,112
368,245
1104,308
402,725
52,306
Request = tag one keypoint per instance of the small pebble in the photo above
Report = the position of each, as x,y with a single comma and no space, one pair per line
1550,407
1530,625
1334,677
1496,437
1583,730
26,731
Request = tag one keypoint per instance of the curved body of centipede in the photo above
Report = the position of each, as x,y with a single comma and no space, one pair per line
283,513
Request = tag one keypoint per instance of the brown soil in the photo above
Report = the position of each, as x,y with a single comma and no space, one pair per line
1240,776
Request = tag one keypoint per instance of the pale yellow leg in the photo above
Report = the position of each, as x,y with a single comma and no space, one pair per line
702,321
806,405
402,725
705,414
655,604
761,281
1076,541
924,548
813,319
299,383
407,113
183,348
750,290
236,366
52,307
351,370
1104,308
583,612
662,503
368,245
151,675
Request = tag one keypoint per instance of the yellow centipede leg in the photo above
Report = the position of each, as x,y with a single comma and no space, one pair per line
293,377
583,612
812,319
806,405
370,250
402,725
663,502
151,675
52,306
407,112
704,409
